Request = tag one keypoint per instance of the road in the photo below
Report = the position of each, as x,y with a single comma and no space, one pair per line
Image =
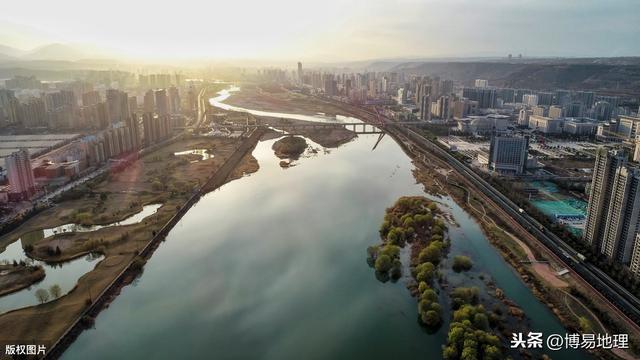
626,302
621,300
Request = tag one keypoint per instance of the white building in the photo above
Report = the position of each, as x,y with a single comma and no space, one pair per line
480,83
545,124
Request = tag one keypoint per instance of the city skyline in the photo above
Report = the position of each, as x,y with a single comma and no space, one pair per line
328,31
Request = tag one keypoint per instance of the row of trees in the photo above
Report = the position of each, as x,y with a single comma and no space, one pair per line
617,271
43,295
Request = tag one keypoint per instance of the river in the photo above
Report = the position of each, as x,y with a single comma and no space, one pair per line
273,266
64,274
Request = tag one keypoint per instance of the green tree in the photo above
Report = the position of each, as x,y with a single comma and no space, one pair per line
425,272
431,318
383,263
462,263
430,254
480,321
449,352
492,352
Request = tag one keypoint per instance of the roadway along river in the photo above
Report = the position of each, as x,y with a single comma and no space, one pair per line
273,266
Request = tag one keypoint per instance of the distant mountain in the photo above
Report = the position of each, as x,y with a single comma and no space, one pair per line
55,52
10,52
615,76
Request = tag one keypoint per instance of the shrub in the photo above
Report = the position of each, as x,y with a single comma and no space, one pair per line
383,263
462,263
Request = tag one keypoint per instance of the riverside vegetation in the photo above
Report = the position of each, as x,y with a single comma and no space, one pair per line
417,221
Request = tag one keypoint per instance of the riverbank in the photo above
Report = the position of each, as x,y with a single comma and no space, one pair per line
158,177
15,277
539,275
281,100
443,179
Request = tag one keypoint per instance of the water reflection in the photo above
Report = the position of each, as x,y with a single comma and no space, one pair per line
225,94
65,275
203,153
146,211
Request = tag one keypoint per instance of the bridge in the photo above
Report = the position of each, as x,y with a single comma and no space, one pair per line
297,128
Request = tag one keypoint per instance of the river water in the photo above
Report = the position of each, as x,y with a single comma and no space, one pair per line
65,274
273,266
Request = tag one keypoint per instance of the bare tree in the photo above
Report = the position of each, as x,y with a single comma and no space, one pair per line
55,291
42,295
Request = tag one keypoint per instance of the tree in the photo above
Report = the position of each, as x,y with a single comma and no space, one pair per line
42,295
396,269
431,318
480,321
383,263
55,291
462,263
449,352
425,272
392,251
491,352
430,254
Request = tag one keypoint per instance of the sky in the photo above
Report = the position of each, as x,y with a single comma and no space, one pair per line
327,30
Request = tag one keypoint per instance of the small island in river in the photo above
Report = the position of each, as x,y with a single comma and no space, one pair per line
290,147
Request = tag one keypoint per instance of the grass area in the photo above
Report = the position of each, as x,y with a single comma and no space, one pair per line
282,101
500,236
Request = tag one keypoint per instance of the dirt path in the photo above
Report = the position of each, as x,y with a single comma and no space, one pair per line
616,351
543,269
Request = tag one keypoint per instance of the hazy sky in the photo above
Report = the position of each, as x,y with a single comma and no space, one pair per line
328,30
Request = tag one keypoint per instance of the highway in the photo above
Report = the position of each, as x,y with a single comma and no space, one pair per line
623,302
626,302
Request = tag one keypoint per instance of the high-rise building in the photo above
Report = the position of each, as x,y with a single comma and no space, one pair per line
299,73
90,98
485,97
634,264
508,154
32,114
604,172
556,112
149,104
21,180
530,99
443,108
162,102
636,152
545,98
463,107
425,107
133,104
628,127
523,117
174,100
117,105
621,223
156,128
